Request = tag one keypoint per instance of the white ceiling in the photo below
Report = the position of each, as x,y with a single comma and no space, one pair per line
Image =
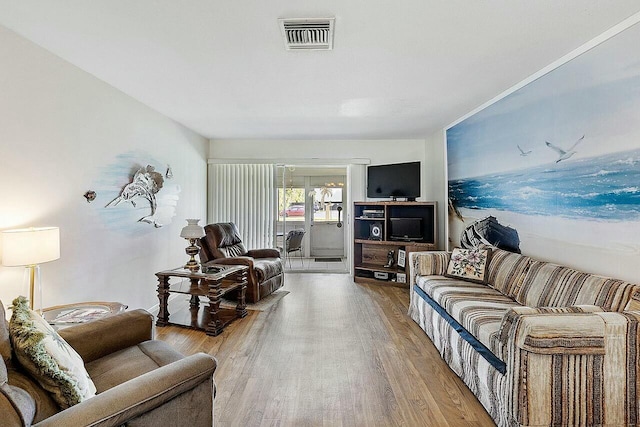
399,69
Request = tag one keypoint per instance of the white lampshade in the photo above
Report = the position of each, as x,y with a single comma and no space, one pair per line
192,230
30,246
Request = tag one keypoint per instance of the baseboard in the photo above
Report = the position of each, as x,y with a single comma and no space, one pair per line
156,307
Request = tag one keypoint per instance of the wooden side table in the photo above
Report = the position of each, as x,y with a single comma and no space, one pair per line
213,284
63,316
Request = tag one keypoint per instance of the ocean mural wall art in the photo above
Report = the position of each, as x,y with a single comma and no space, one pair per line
558,160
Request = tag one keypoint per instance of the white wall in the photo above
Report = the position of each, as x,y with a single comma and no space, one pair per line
435,187
430,152
59,129
378,151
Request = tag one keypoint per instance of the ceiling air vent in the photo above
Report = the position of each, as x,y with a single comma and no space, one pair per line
307,33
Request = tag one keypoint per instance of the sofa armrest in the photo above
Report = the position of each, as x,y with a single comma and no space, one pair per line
264,253
148,392
93,340
431,263
551,330
571,363
634,302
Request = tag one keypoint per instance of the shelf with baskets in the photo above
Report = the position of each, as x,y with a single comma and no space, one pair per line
384,235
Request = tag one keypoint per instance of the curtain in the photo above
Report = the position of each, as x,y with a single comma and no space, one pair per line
246,195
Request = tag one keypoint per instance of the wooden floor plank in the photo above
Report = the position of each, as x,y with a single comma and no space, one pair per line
331,353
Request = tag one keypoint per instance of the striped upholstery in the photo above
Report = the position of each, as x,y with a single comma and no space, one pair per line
432,263
478,374
507,271
572,360
634,302
477,307
515,314
551,285
590,379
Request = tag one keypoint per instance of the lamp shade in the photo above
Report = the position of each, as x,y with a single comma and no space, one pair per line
30,246
192,230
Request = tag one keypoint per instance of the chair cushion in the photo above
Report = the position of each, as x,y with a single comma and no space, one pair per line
124,365
221,240
266,268
47,357
234,250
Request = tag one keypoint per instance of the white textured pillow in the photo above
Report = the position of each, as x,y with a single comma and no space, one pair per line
47,357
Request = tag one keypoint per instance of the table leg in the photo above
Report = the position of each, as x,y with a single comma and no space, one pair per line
194,302
241,308
215,326
163,297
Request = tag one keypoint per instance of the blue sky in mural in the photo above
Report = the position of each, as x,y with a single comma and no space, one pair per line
499,158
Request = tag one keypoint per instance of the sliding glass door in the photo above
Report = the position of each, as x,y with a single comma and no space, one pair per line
311,200
327,232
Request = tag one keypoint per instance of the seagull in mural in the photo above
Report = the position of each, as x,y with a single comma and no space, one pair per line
522,152
564,154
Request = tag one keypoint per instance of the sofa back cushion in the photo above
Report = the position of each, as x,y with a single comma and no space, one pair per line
552,285
17,408
5,342
432,263
507,271
634,302
47,357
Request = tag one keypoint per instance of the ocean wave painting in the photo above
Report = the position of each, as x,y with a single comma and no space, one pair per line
604,188
558,160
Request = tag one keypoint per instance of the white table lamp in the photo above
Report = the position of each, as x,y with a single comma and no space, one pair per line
192,231
31,247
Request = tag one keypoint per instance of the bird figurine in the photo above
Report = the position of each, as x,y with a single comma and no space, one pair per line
390,260
145,184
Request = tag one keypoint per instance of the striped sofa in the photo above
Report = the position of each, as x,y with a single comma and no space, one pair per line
540,345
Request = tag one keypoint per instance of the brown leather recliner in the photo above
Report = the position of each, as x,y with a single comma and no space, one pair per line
222,244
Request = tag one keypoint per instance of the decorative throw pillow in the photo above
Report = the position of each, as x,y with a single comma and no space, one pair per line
469,264
47,357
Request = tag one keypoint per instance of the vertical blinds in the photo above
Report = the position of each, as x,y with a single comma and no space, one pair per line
245,194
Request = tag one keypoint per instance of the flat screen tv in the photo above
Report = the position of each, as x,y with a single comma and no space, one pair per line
395,180
407,229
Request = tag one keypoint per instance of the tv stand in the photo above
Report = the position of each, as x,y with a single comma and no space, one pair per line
406,239
409,199
370,257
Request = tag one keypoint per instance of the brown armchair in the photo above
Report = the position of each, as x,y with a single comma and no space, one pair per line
222,244
139,381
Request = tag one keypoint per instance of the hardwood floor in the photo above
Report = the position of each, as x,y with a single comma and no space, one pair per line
331,353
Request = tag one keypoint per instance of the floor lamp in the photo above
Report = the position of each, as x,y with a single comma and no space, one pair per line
31,247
